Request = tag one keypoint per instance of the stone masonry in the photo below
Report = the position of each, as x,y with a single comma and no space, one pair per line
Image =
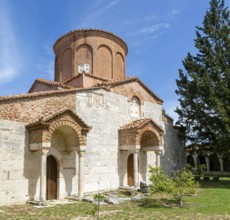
91,129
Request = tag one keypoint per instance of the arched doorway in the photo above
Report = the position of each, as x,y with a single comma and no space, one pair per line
130,171
201,159
226,162
51,178
214,162
190,161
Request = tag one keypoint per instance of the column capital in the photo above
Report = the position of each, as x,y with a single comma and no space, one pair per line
158,152
81,153
44,151
82,148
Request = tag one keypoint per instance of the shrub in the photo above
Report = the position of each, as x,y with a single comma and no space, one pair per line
180,185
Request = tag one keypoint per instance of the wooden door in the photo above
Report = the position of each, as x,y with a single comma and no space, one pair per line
51,178
130,170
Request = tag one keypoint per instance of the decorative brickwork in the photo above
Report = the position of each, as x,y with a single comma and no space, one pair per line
130,87
42,130
134,133
103,52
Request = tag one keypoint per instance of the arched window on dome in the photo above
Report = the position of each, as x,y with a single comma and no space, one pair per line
135,107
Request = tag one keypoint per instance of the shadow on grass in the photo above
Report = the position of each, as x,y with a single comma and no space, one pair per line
157,203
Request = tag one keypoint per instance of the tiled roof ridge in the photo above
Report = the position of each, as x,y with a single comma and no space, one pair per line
48,82
86,74
45,93
42,120
134,124
90,29
139,123
166,115
115,82
121,81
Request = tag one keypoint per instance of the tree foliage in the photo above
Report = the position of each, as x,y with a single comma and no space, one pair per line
181,184
204,83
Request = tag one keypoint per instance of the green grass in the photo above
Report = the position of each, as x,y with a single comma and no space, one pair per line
211,202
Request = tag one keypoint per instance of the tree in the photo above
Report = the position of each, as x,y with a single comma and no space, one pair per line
204,83
181,184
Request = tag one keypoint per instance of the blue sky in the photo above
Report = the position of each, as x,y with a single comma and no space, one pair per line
159,33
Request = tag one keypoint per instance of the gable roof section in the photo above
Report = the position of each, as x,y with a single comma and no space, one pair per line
104,85
45,93
119,82
139,124
51,117
54,85
87,75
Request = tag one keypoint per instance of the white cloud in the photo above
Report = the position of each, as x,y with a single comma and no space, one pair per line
174,13
150,29
46,68
94,14
10,59
151,17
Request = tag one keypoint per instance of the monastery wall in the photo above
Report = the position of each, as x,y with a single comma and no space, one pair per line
19,167
105,163
173,156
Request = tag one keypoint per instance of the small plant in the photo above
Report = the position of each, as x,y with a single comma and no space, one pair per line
98,197
201,169
93,211
180,185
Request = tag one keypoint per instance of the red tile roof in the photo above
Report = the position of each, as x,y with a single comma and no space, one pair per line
118,82
48,82
88,75
47,118
138,124
44,93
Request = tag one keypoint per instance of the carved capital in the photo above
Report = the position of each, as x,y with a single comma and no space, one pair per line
44,151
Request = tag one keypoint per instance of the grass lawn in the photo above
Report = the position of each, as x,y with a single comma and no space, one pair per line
211,202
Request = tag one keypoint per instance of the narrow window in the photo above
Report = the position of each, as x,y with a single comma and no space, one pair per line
135,107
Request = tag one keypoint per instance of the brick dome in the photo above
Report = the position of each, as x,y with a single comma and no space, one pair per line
95,52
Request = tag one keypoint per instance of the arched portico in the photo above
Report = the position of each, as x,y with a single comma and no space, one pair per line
138,138
61,136
190,160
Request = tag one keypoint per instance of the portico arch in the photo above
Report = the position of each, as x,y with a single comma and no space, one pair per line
62,134
190,160
138,138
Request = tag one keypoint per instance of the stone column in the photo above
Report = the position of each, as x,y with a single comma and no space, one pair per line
207,163
44,152
158,153
135,165
221,164
195,161
81,172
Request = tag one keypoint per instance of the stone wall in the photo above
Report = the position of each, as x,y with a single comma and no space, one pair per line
106,112
173,157
105,164
19,168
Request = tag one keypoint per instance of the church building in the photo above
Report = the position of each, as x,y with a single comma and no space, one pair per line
92,128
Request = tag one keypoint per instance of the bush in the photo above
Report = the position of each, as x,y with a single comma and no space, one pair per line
180,185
